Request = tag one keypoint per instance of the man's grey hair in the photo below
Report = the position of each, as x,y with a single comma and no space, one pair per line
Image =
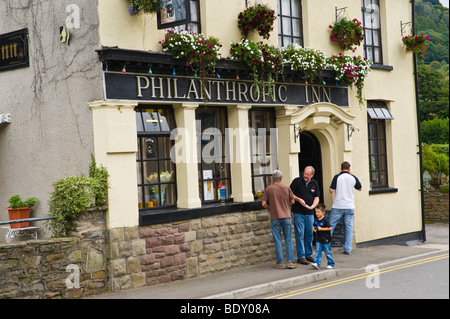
277,175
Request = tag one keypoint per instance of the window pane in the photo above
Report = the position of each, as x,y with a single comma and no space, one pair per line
376,38
285,7
139,124
287,27
296,8
296,27
377,56
195,11
368,37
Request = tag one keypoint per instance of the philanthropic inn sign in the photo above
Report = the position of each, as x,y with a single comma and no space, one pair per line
171,89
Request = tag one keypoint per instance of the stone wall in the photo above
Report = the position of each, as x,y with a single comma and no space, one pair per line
436,205
131,257
57,267
179,250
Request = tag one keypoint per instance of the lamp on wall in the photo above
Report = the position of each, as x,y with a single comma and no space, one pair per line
297,131
350,130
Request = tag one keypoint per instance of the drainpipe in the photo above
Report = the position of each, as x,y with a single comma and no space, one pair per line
416,84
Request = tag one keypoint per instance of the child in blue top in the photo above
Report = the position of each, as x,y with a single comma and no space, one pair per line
322,228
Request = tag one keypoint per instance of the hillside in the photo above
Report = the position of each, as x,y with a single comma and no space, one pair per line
432,19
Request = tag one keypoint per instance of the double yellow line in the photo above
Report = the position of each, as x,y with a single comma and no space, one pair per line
357,277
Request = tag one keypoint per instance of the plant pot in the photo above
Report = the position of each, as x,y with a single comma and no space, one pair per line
19,213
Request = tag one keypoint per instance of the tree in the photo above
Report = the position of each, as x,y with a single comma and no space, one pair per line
433,92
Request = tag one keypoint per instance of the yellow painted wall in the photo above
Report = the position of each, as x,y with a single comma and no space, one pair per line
377,216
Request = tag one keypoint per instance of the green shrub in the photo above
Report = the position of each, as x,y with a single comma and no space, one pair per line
435,160
435,131
72,195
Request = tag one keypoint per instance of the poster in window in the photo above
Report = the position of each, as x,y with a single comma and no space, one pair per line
173,13
208,186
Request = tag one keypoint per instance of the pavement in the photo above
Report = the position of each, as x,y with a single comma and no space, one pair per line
256,280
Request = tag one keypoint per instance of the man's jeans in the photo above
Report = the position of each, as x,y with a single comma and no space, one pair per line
285,225
303,226
335,216
326,248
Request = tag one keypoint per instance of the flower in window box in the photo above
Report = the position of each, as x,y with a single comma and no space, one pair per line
258,18
348,33
200,52
417,44
264,61
305,60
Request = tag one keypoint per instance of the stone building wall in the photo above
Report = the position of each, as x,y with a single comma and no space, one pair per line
131,257
186,249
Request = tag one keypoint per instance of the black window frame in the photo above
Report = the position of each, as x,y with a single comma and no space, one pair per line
157,135
281,32
377,143
223,166
371,33
188,24
266,177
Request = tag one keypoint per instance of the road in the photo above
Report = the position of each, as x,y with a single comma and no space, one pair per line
422,278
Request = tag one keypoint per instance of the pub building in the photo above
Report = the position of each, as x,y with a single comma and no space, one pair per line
183,151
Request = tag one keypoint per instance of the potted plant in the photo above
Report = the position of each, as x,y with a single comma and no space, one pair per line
20,209
348,33
417,44
258,18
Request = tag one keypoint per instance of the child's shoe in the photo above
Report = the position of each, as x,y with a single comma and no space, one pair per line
330,267
314,265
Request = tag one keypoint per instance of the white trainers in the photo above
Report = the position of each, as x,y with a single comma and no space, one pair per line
314,265
329,267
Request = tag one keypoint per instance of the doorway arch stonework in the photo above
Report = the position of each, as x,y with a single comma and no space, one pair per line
330,124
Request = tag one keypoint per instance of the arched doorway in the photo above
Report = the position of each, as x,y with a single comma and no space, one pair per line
311,155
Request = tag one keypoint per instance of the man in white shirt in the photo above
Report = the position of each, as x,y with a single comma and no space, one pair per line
344,184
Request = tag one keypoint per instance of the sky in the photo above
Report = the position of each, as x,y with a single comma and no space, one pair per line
444,3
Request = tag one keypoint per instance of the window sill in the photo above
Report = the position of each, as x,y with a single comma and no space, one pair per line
383,190
160,216
382,67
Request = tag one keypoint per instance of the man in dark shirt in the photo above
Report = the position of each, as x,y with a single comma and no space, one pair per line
306,192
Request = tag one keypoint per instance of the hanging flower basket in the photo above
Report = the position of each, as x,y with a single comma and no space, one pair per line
258,18
146,6
200,52
264,61
348,33
351,70
417,44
